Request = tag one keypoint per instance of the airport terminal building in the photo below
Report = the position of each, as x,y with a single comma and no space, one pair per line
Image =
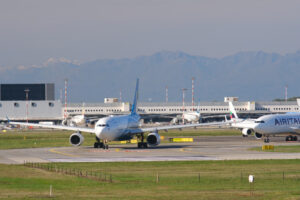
36,102
244,109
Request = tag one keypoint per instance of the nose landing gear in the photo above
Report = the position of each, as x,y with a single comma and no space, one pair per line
100,144
267,140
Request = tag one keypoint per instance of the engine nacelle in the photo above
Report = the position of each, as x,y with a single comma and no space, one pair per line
258,135
153,139
76,139
246,131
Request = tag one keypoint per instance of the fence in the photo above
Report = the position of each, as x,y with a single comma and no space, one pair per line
98,176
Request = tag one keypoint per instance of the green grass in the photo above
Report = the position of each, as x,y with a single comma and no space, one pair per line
283,149
35,139
45,138
274,179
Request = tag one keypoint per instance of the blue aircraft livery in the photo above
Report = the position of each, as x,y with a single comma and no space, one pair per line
287,121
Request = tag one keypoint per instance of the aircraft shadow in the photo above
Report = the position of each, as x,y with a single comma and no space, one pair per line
136,148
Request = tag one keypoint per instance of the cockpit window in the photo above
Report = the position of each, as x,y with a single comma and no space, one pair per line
259,122
102,125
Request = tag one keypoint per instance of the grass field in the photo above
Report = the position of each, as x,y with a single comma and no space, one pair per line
42,138
274,179
283,149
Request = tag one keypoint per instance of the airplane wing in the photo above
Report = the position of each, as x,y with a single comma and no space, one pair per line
159,128
61,127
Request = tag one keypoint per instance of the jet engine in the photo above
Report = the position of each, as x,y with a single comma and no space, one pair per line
153,139
258,135
76,139
246,132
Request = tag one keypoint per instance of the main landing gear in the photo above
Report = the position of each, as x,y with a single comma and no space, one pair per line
142,144
267,140
100,144
291,138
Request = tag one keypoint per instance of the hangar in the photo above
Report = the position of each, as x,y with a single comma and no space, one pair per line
35,102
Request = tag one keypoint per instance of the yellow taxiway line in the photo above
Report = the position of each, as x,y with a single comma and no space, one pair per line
62,153
188,151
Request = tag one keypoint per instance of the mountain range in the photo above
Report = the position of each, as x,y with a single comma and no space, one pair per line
248,75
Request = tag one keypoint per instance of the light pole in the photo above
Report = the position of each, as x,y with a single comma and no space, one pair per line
167,95
65,110
193,80
26,92
183,94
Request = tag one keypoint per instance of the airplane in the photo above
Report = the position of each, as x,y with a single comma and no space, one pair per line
245,125
79,120
4,127
192,116
118,128
76,120
267,125
189,117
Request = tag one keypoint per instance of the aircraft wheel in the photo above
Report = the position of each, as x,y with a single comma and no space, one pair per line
267,140
98,145
142,145
295,138
145,145
289,138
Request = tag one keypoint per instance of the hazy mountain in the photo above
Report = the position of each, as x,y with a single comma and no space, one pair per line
248,75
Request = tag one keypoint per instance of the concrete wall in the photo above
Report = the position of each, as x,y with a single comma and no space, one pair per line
37,110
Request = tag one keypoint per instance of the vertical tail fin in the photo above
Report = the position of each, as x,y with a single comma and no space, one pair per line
83,109
136,96
232,111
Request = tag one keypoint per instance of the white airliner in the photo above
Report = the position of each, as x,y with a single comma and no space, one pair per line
118,128
190,117
77,120
267,125
193,116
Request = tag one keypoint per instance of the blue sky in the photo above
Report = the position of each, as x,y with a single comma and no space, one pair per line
33,30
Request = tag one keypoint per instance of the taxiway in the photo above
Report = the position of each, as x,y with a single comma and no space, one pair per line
204,148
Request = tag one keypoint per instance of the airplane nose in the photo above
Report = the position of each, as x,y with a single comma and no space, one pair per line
258,128
99,132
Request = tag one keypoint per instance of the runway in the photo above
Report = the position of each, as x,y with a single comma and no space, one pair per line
204,148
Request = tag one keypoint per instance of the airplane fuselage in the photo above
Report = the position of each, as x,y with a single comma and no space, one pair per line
277,124
191,116
116,128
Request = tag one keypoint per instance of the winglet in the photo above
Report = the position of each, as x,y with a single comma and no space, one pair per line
136,96
232,111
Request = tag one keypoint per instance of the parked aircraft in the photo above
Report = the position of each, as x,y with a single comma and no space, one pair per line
189,117
4,127
118,128
267,125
